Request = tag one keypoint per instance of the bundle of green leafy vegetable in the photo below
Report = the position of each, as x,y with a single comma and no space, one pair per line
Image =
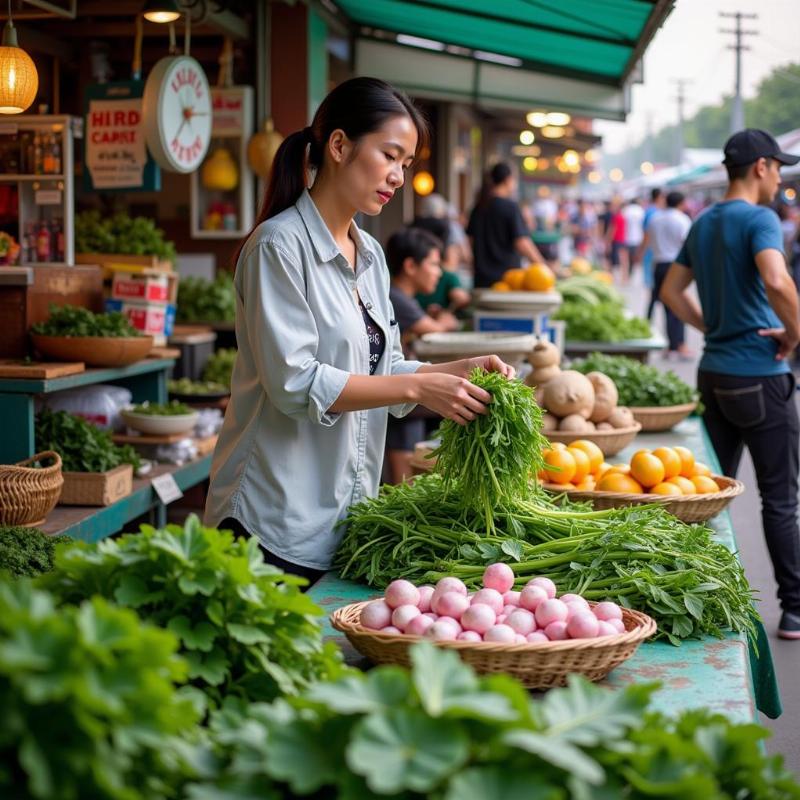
219,366
27,552
587,289
83,447
638,384
245,627
439,731
90,707
187,386
171,409
122,234
603,322
76,321
201,300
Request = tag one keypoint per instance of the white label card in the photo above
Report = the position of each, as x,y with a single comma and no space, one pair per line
166,488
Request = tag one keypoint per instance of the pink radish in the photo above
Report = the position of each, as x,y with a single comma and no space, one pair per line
450,604
521,621
618,624
607,611
556,631
419,625
401,593
509,609
469,636
499,577
450,584
536,636
479,618
545,583
551,610
500,633
583,625
425,595
606,628
502,619
520,639
491,598
531,596
391,629
511,598
375,615
442,631
402,615
574,598
450,620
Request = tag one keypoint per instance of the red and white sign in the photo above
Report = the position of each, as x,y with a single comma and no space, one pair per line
149,288
115,149
228,116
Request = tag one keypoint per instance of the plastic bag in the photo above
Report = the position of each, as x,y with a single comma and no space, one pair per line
99,404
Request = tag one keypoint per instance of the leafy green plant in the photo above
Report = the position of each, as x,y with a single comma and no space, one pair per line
83,447
439,731
75,321
201,300
89,703
638,384
219,366
245,628
189,387
171,409
121,234
602,322
27,551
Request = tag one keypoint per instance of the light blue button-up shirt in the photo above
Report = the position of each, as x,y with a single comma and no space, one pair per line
286,467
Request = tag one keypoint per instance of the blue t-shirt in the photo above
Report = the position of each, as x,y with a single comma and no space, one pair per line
720,249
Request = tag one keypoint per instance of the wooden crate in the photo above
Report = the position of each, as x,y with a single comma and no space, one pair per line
97,488
109,262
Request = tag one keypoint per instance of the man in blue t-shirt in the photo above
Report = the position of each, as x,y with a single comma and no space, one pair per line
749,314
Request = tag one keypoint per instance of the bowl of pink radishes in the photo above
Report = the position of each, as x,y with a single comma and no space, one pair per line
532,634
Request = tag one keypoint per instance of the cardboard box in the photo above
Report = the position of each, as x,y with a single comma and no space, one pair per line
513,322
146,286
117,261
154,319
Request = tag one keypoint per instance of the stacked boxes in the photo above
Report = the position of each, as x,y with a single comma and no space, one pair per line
148,299
539,325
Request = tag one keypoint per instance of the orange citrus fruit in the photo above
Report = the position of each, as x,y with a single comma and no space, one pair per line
515,278
647,468
562,463
558,446
501,286
704,485
671,461
684,484
601,470
587,484
622,469
700,469
583,466
617,482
592,450
665,487
687,460
538,278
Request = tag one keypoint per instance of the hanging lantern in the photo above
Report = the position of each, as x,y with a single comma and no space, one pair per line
19,80
161,11
219,172
261,149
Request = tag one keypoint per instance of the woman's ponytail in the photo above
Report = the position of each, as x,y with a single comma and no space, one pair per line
287,178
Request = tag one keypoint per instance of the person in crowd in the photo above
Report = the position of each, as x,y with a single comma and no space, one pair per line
319,359
432,217
633,214
458,238
646,255
749,313
664,236
585,229
496,229
414,259
604,220
615,238
788,227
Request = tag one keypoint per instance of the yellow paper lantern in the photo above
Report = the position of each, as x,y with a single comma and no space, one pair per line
19,80
423,183
261,149
220,172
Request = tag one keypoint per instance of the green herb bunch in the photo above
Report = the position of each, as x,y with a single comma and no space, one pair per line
27,552
171,409
83,447
189,387
201,300
439,731
604,322
90,708
122,234
76,321
638,384
219,367
245,628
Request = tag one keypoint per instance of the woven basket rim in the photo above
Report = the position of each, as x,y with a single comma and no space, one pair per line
664,409
645,628
635,428
732,488
20,466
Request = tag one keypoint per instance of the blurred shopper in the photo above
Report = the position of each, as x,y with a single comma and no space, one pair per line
584,229
749,313
496,229
615,237
646,257
665,236
633,214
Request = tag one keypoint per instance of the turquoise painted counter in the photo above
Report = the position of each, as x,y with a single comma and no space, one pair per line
721,674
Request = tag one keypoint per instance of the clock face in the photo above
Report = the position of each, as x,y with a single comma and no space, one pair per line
177,113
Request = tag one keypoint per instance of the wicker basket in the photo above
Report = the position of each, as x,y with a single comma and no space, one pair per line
689,507
537,666
661,418
610,442
28,495
97,488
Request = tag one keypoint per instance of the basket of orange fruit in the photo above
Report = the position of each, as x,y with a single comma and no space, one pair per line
531,288
667,475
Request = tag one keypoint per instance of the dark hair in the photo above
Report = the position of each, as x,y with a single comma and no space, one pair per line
498,174
413,243
739,172
674,199
655,194
358,106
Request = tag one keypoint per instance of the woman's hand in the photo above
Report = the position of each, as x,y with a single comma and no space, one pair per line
451,396
490,364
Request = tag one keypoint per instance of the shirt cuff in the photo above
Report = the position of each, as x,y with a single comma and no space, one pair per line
328,384
404,368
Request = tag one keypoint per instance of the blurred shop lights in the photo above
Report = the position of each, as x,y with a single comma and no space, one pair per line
530,164
19,80
553,131
590,156
527,137
541,119
538,119
423,183
594,176
558,119
571,159
616,174
790,194
161,11
647,167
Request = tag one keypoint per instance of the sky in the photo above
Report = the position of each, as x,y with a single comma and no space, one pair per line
689,45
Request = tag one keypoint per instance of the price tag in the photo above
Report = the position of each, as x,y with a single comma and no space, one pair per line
47,197
166,488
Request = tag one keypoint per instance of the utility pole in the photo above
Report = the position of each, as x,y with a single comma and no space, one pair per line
737,113
681,99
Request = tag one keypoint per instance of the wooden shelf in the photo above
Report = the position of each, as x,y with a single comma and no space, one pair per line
18,178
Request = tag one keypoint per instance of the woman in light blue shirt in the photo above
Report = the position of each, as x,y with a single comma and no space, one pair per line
319,359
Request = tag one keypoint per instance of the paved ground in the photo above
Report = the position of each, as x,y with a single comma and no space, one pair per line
746,513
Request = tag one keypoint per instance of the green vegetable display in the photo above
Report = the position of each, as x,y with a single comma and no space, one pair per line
89,703
638,384
27,552
602,322
245,628
171,409
441,732
219,366
76,321
201,300
189,387
83,447
121,234
584,289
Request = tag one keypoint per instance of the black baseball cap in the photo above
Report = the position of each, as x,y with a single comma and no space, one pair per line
746,147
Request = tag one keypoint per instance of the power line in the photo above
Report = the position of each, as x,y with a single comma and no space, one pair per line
737,113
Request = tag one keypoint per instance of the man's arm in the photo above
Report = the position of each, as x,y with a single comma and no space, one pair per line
525,247
675,296
782,296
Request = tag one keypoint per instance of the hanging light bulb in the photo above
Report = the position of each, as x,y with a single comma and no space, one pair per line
19,80
161,11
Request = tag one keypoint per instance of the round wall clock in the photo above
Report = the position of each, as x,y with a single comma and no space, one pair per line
177,113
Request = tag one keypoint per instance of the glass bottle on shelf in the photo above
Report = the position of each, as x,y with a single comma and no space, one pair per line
48,161
57,241
43,242
57,153
37,153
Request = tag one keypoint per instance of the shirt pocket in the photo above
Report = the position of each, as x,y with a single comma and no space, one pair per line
743,407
